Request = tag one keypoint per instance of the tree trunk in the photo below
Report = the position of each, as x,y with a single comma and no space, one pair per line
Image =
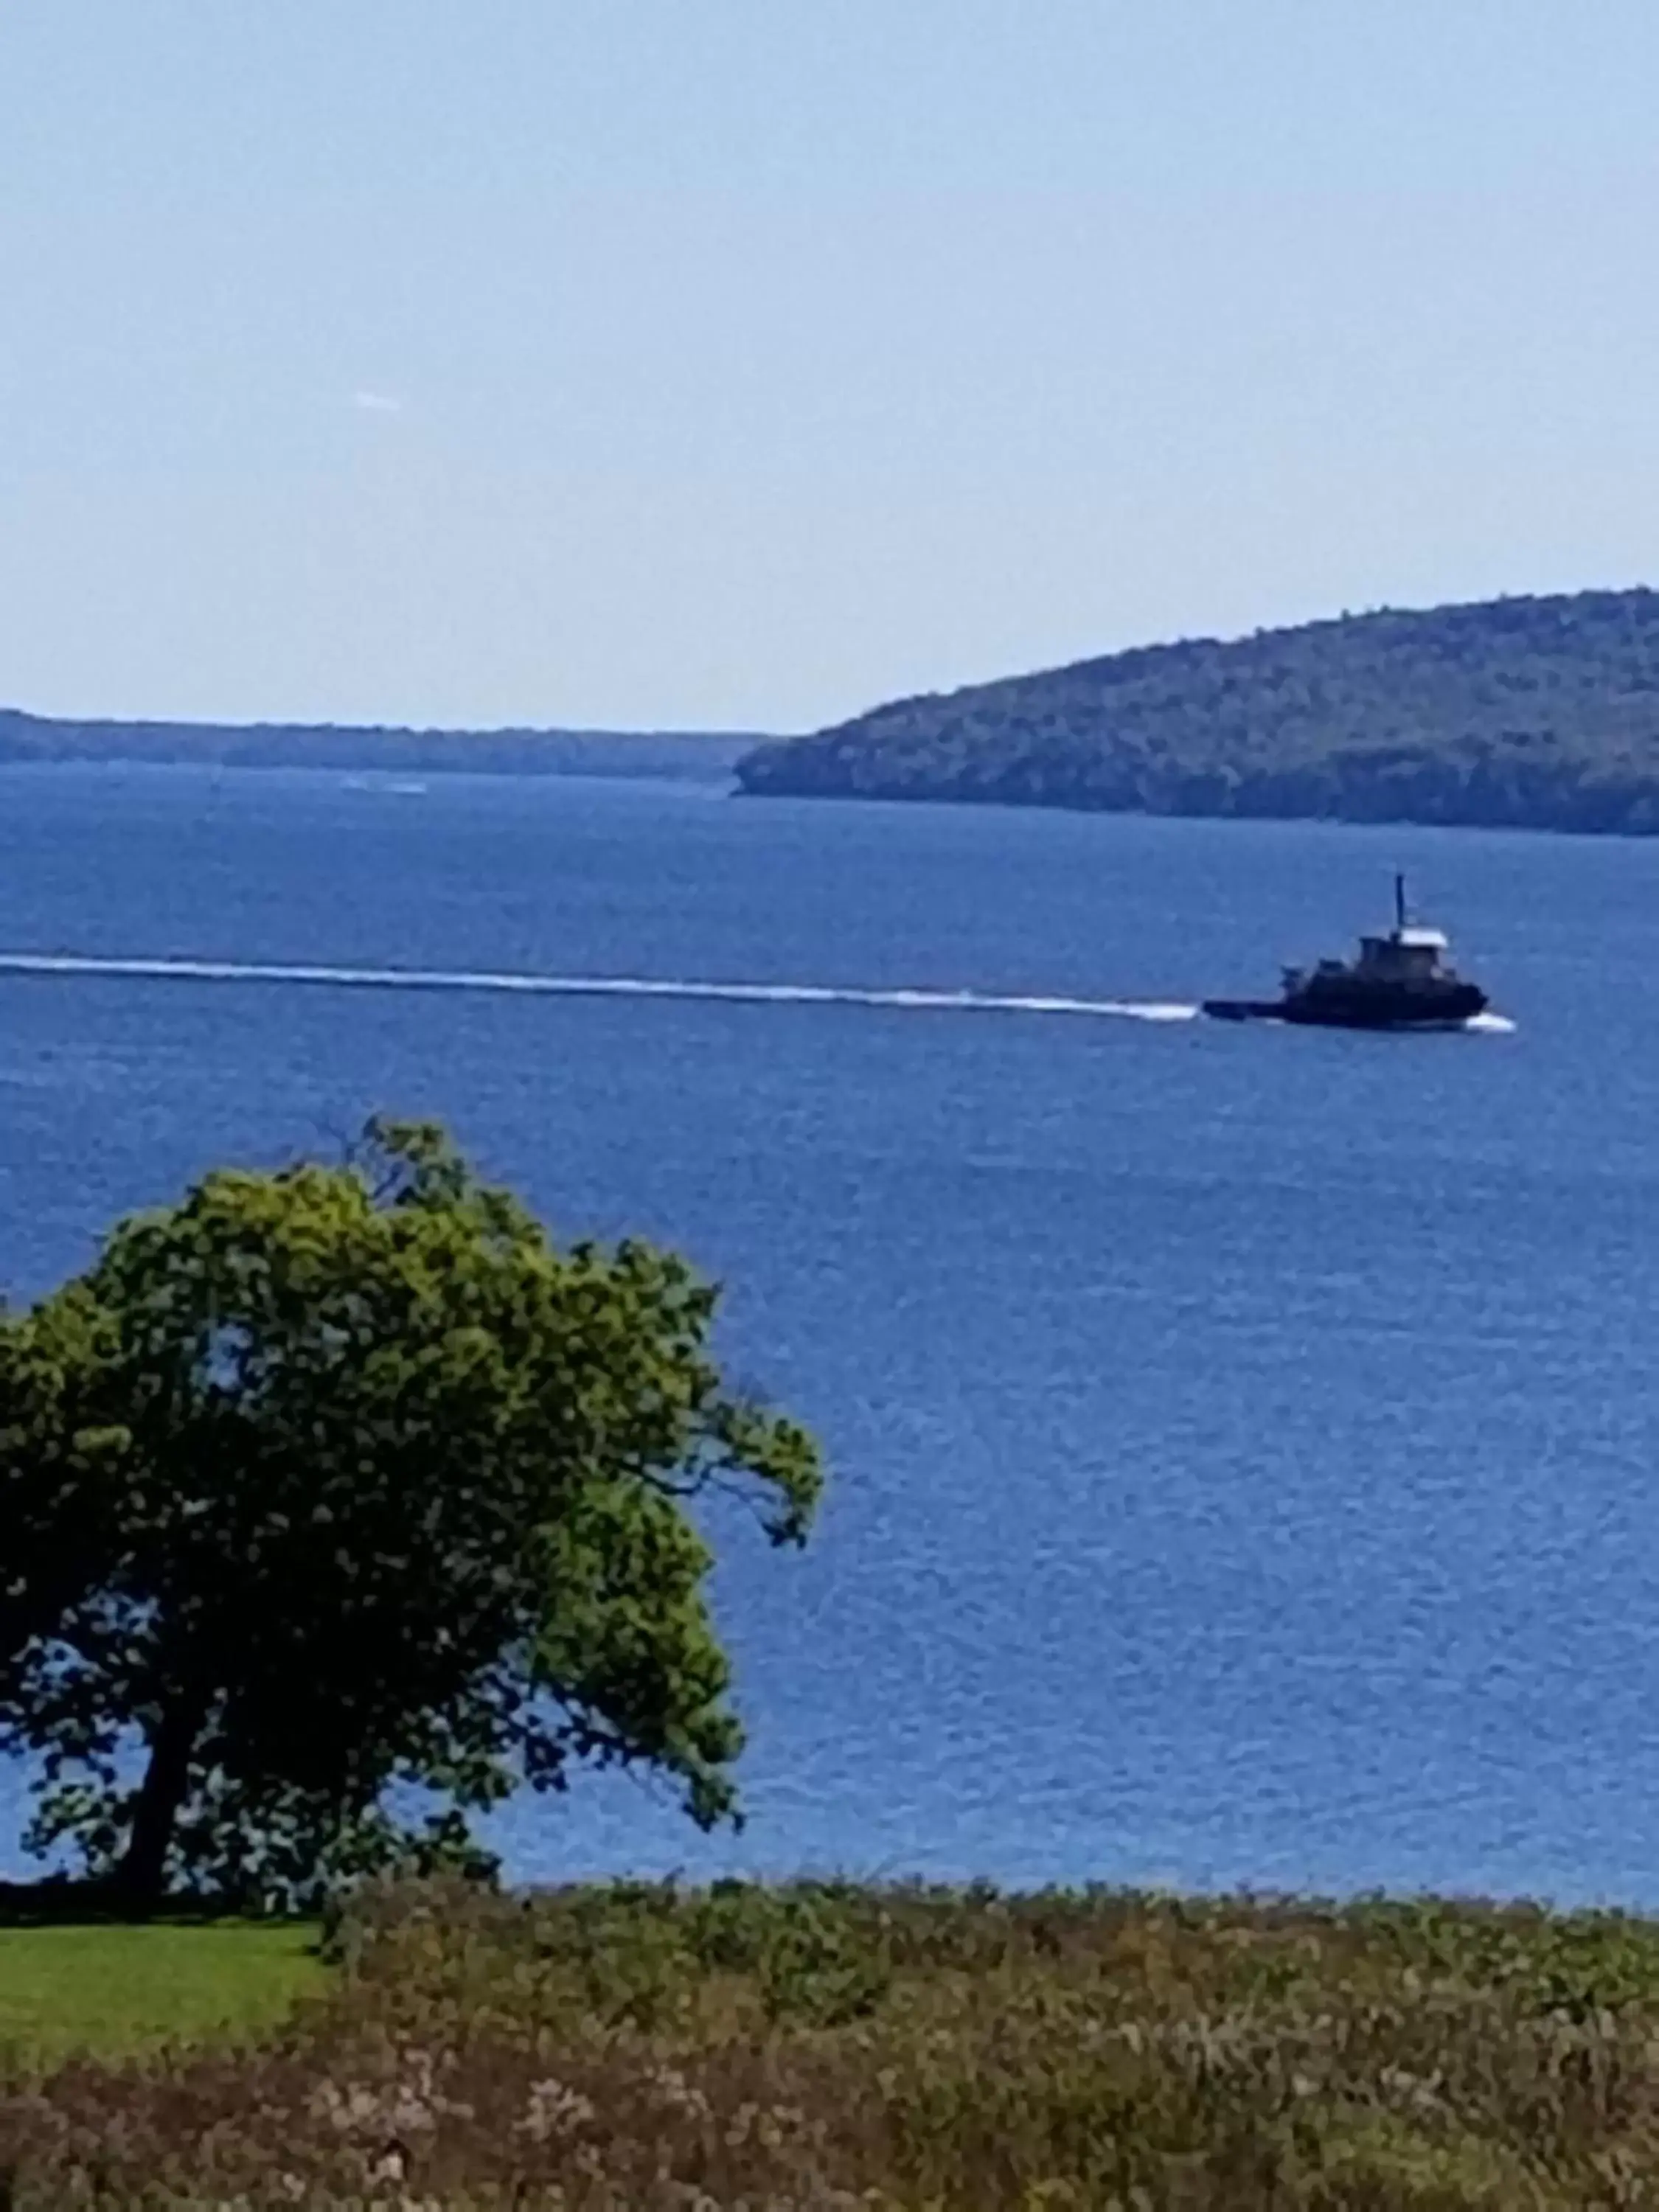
139,1877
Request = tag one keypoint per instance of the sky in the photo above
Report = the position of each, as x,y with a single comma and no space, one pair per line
732,364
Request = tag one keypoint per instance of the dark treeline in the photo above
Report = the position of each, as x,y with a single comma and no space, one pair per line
37,738
1530,712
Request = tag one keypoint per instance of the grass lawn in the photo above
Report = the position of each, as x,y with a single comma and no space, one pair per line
115,1989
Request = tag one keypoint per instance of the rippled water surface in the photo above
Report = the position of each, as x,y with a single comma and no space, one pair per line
1244,1442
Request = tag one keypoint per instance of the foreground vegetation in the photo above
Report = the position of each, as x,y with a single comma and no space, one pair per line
1526,713
349,1476
828,2046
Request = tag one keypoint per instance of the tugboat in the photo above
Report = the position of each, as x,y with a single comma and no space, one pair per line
1402,981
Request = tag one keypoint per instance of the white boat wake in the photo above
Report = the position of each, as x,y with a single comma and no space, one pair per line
68,965
71,965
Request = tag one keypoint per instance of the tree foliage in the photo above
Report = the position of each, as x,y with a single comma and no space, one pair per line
1526,713
346,1476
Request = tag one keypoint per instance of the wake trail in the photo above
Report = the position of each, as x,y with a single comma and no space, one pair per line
68,966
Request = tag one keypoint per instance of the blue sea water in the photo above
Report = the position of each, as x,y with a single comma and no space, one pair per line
1244,1442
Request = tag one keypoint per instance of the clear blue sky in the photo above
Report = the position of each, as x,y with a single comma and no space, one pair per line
740,363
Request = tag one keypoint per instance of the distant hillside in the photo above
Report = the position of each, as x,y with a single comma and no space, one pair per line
1533,713
36,738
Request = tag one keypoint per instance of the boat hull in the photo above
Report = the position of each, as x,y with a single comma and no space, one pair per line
1358,1010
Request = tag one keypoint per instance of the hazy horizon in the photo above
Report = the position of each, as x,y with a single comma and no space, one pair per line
534,362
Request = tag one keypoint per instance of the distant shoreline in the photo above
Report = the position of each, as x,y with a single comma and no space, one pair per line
1635,816
35,741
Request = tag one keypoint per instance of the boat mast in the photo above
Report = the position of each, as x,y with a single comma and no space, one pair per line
1398,901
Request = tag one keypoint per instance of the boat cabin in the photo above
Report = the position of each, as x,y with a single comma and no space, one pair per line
1408,955
1403,952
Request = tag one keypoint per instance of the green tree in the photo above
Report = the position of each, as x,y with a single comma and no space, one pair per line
345,1477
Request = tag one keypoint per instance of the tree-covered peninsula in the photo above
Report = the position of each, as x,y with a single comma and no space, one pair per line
1524,712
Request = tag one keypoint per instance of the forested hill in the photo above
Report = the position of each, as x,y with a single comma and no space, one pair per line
36,738
1536,712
